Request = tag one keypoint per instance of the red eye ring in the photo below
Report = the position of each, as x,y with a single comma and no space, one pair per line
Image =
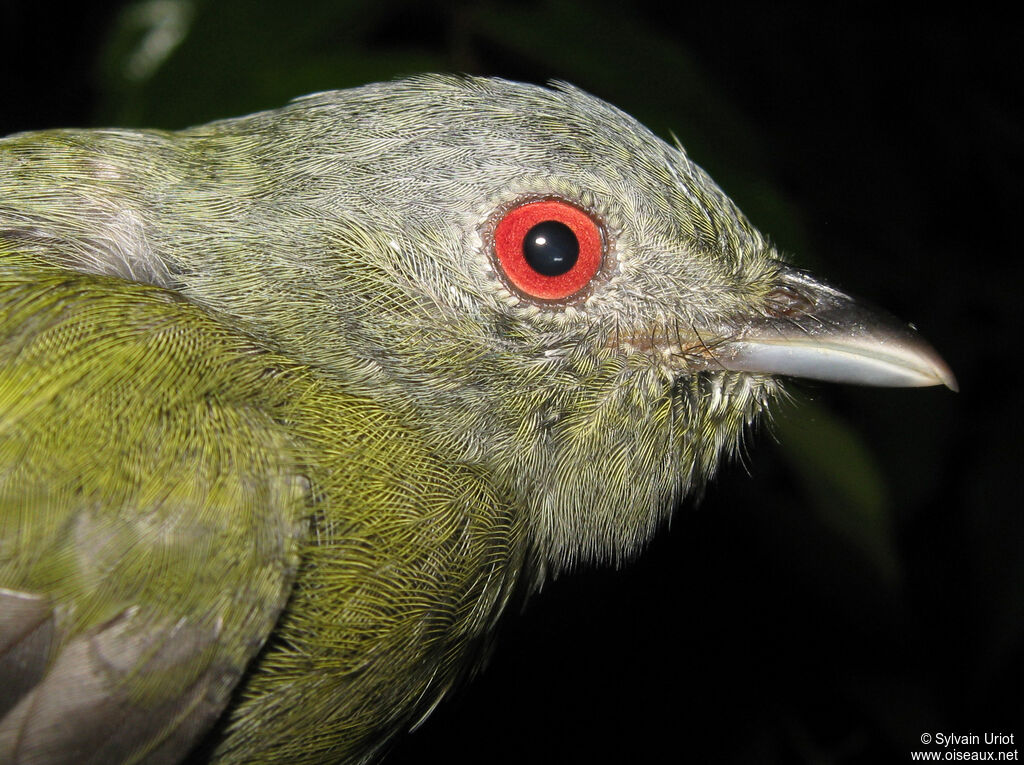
515,244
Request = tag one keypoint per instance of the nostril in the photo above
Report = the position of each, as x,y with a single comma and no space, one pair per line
785,301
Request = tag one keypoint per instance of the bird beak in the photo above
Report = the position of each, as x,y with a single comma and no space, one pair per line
812,330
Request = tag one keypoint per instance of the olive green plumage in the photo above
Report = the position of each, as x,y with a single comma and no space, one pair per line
196,506
263,386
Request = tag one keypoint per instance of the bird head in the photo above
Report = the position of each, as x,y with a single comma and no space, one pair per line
536,281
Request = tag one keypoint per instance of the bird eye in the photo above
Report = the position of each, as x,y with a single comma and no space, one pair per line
549,249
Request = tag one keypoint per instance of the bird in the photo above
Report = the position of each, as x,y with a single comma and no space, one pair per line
294,404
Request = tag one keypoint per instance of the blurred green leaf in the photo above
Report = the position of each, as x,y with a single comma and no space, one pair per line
843,481
173,63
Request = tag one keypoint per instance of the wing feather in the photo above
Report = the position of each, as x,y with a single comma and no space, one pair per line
151,503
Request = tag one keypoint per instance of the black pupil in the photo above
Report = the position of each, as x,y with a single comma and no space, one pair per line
551,248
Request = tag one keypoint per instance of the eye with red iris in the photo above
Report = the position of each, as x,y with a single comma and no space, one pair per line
549,249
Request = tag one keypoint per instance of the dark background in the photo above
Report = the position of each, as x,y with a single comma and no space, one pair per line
859,579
